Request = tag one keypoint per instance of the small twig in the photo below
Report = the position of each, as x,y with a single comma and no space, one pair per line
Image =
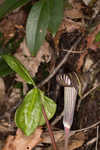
60,64
58,118
96,148
86,94
85,129
91,141
49,129
74,52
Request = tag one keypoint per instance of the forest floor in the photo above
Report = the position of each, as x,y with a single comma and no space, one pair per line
75,48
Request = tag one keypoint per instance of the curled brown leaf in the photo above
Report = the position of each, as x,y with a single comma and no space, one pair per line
22,142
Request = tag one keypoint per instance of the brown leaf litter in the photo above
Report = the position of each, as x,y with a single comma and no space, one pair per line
68,25
91,38
90,45
11,24
32,63
73,14
22,142
75,141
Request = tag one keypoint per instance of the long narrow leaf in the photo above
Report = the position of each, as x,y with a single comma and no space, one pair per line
15,65
28,114
4,68
56,8
37,25
9,5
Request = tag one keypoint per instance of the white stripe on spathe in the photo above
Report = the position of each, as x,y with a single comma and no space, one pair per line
70,96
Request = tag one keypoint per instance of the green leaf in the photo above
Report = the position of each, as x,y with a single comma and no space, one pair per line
28,114
37,25
56,14
18,68
9,5
97,37
49,106
4,69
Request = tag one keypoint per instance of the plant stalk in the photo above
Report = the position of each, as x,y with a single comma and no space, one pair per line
49,129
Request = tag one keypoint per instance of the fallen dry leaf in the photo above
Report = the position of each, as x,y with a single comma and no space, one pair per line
13,98
32,63
90,44
58,135
76,4
70,25
9,24
67,25
73,14
91,37
76,141
22,142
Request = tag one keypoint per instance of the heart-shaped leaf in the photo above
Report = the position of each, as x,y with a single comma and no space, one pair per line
49,106
15,65
37,25
56,8
28,114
